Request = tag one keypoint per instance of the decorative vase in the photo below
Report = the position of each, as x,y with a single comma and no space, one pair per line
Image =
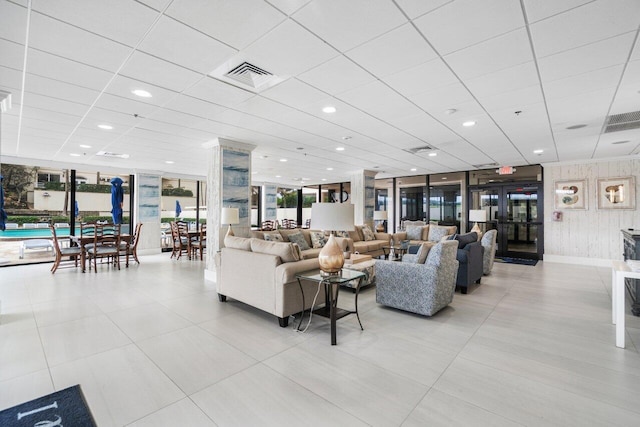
331,257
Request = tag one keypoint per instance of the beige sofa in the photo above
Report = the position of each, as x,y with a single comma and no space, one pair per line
263,274
369,247
417,234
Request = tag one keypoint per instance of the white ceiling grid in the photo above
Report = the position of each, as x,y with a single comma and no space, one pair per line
392,69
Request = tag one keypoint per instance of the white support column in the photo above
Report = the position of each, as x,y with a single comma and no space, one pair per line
269,202
363,196
148,205
228,185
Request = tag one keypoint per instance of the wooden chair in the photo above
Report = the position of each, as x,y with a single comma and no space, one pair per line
289,224
73,253
106,244
131,248
200,244
268,225
180,237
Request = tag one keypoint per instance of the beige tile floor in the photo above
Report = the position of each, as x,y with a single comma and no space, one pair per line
151,345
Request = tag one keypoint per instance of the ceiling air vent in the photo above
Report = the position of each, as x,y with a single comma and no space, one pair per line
624,121
112,155
420,150
485,165
246,75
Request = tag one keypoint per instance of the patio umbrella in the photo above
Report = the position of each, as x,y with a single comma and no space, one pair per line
3,214
117,196
178,208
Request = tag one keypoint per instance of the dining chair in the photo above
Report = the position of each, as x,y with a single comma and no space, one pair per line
268,225
73,252
180,237
106,244
201,243
131,248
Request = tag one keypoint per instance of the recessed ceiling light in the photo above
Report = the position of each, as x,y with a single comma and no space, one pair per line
413,169
141,93
433,154
75,155
105,127
329,169
169,162
278,176
444,177
538,151
620,142
323,179
339,148
329,109
283,160
469,123
576,127
450,111
84,146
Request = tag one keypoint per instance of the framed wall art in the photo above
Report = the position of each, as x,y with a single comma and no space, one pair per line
571,194
617,193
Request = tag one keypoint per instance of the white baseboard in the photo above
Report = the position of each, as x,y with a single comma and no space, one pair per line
563,259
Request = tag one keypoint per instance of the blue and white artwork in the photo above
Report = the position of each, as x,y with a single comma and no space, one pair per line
369,197
148,198
270,202
236,182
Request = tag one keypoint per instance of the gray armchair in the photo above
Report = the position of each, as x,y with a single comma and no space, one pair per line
419,288
489,244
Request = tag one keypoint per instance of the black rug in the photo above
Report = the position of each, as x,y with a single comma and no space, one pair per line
521,261
63,408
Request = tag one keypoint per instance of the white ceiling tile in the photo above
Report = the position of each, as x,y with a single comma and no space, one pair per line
631,74
541,9
289,7
13,18
58,68
337,75
289,50
587,24
158,5
195,107
61,90
493,55
438,100
123,86
10,80
380,101
70,42
295,93
467,22
119,20
219,93
426,128
401,48
462,149
415,8
584,83
514,101
149,69
236,23
180,44
347,24
423,78
119,120
586,58
581,109
125,106
12,54
506,80
175,117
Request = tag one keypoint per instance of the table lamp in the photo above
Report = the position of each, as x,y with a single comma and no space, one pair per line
381,216
230,216
477,215
332,217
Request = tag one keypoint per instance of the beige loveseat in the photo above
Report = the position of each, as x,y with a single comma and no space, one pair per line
418,234
263,274
369,247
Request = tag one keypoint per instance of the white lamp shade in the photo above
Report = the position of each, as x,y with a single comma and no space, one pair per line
332,216
230,216
380,215
478,215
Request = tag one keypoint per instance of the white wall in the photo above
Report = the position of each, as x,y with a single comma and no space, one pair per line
100,202
589,236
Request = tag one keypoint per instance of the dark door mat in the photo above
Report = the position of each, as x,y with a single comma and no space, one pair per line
521,261
65,408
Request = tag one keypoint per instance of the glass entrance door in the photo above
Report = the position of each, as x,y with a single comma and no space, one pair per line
516,212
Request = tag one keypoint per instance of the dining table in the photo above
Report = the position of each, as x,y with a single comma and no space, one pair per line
86,239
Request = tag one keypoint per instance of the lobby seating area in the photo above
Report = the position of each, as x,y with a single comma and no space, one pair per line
538,339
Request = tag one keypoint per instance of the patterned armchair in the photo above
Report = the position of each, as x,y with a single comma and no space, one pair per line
489,244
419,288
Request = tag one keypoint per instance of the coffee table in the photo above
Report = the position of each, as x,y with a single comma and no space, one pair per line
396,250
331,287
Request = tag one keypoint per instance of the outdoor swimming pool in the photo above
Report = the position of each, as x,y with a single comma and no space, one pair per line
35,233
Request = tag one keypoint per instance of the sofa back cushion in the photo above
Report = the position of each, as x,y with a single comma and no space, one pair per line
355,235
414,232
234,242
273,236
288,252
465,239
437,232
443,253
408,223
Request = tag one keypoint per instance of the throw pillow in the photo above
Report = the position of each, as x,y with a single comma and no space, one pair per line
298,238
367,233
423,252
342,234
273,236
288,252
318,239
466,238
414,232
437,232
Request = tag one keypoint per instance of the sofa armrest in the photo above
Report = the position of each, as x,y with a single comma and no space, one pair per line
285,273
398,237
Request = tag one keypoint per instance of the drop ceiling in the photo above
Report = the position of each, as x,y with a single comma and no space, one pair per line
401,74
